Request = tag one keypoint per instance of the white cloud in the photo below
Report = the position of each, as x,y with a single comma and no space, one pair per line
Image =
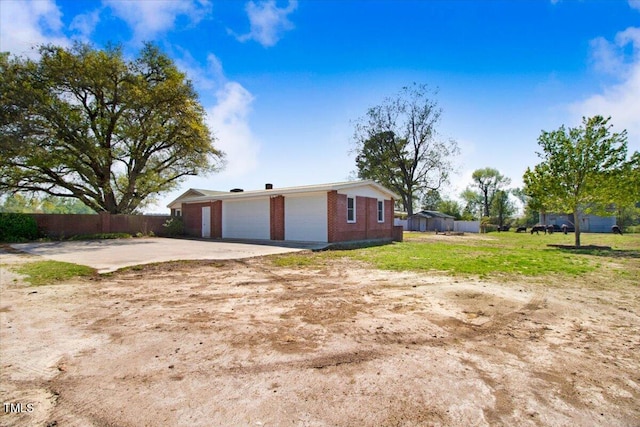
268,21
229,122
149,18
620,99
84,24
228,105
26,24
634,4
207,80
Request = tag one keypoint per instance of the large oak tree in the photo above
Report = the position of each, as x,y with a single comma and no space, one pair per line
583,170
397,145
92,125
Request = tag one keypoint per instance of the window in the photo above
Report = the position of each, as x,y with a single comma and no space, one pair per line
380,210
178,212
351,209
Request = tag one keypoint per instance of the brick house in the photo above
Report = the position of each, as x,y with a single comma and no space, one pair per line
336,212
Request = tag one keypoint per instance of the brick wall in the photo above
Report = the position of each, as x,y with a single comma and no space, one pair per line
192,218
277,218
366,225
216,220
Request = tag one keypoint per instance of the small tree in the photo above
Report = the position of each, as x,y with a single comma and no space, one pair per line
532,208
581,171
501,207
473,204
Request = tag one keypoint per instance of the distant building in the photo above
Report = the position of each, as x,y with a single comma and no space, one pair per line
588,223
430,221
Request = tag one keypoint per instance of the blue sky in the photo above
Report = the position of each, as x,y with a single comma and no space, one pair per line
282,82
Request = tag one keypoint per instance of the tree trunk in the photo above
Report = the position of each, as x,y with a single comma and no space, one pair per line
407,200
409,207
577,218
486,202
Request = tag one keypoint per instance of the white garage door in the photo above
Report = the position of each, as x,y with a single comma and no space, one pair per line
305,218
246,219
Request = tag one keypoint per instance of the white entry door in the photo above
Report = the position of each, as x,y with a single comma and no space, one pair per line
206,221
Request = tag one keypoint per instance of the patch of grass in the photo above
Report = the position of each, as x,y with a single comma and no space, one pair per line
312,260
495,255
48,272
486,260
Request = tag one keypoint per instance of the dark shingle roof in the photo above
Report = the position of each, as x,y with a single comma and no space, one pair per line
432,214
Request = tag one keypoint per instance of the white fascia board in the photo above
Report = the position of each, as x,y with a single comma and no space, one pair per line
305,189
185,195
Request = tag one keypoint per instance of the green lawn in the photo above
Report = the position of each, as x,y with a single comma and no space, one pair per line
493,255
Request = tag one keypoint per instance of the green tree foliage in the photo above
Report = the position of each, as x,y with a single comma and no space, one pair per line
501,207
431,200
90,125
488,181
450,207
532,208
397,145
473,204
625,194
583,170
19,203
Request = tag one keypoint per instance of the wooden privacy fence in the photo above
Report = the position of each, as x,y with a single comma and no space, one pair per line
67,225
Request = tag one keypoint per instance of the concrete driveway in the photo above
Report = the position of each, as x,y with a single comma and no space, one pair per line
112,254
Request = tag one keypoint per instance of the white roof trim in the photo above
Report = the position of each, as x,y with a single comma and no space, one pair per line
221,195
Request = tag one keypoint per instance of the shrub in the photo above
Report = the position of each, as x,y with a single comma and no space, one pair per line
632,229
16,227
489,228
174,227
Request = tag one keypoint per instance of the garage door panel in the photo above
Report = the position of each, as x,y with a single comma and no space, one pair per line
246,219
305,218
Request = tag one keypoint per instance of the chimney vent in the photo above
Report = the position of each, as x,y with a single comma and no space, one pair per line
268,186
236,190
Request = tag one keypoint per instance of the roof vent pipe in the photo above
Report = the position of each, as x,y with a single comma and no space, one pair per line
268,186
236,190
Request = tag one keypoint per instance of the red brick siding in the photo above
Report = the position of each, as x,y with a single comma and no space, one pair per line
277,218
366,225
332,207
192,217
216,219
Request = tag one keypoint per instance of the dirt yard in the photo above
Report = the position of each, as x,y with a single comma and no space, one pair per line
249,343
